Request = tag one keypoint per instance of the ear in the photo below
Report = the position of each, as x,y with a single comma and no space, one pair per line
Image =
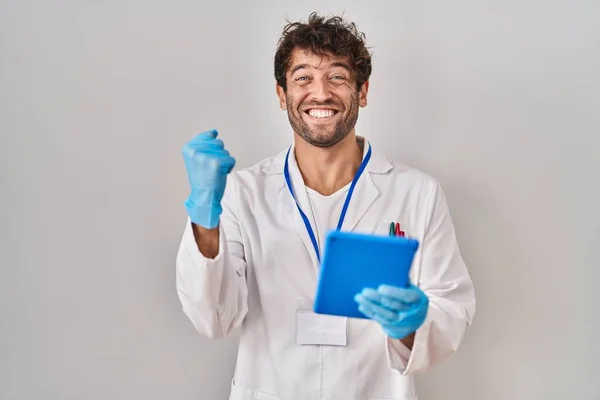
281,95
362,94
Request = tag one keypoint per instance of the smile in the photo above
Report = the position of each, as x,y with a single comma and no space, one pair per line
321,113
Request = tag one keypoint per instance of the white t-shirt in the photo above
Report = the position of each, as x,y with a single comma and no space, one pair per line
326,211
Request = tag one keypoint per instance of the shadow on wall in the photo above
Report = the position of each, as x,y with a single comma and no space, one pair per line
489,344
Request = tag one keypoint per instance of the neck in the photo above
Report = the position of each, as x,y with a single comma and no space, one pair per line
326,170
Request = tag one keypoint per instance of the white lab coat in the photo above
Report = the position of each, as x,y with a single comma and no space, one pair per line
266,271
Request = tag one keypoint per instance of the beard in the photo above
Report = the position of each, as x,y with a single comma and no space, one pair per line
325,135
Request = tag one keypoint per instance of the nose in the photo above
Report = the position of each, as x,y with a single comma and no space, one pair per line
321,90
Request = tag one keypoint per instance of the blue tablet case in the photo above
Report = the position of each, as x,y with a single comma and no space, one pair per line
353,261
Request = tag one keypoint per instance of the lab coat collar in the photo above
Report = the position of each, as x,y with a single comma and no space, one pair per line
377,165
365,194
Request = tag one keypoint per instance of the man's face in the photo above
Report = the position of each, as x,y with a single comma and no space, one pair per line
321,99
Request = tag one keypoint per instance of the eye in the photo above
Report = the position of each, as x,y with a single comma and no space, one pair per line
338,79
303,78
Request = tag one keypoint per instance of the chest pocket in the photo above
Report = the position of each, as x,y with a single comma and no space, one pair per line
383,228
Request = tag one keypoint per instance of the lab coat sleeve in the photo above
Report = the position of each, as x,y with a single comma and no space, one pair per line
213,292
444,278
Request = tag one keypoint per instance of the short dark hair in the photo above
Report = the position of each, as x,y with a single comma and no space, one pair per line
324,36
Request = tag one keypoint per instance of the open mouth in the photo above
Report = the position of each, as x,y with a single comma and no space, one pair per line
321,113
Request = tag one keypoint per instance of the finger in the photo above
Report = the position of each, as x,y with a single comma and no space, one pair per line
394,304
201,143
366,311
209,134
374,316
413,317
404,324
372,295
377,309
207,149
227,164
384,300
218,143
405,295
204,136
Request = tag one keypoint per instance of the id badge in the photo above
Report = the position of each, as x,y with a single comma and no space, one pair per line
329,330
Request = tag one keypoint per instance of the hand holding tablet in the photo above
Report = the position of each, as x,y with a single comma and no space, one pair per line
367,276
355,261
399,311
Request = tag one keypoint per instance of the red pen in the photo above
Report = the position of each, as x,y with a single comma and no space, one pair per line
398,231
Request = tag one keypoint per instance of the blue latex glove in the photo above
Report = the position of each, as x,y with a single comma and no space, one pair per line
207,163
399,311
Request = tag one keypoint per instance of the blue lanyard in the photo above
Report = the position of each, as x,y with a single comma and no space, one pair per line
309,229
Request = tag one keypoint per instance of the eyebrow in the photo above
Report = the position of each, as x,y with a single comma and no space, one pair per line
333,64
342,65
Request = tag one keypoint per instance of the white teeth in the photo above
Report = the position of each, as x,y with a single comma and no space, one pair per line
316,113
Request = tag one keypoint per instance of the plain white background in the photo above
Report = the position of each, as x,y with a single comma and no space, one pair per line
496,99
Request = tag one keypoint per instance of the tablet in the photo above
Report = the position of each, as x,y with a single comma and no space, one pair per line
354,261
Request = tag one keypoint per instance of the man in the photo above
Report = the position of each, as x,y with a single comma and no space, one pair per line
247,257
